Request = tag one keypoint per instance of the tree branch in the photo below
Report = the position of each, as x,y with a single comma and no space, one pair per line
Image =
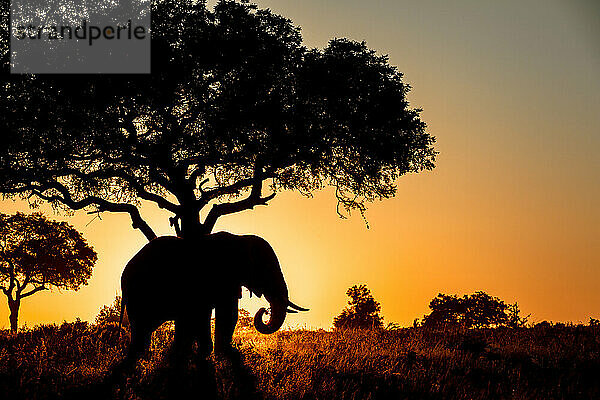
11,275
253,199
135,185
32,291
236,187
21,287
103,205
174,222
229,189
196,173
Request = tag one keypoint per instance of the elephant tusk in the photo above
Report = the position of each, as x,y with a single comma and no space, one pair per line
297,307
291,311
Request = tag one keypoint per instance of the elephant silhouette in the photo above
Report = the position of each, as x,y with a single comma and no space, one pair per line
175,279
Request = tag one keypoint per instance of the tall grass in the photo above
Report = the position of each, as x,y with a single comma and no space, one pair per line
530,363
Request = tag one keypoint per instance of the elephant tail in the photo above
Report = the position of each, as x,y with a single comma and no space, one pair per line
122,312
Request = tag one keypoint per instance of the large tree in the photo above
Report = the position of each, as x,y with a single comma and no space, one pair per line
234,103
37,254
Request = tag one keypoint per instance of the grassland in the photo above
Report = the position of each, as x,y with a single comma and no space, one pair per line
72,360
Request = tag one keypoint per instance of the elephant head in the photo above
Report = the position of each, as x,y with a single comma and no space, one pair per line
263,276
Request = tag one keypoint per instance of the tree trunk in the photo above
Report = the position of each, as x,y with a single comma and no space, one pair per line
190,224
13,305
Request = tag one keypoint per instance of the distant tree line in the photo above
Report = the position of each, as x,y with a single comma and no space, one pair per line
478,310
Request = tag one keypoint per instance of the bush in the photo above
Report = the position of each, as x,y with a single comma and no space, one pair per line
362,313
111,314
479,310
245,320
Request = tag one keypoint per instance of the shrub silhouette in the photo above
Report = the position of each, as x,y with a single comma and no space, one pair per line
111,314
245,320
478,310
515,320
362,313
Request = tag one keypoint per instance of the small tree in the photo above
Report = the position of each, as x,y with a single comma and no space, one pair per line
362,313
36,254
515,320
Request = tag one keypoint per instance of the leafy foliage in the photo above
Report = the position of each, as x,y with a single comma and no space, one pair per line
111,314
245,320
362,313
234,100
39,251
478,310
515,319
36,254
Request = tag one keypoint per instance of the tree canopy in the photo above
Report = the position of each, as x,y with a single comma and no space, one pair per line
234,100
362,311
36,254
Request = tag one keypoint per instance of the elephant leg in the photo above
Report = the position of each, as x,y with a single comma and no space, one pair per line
226,316
184,339
205,344
140,342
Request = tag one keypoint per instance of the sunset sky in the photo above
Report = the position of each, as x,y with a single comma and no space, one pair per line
511,90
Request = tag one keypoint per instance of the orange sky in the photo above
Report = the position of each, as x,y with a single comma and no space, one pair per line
511,91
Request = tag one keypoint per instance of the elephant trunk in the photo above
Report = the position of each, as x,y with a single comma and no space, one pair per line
276,317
